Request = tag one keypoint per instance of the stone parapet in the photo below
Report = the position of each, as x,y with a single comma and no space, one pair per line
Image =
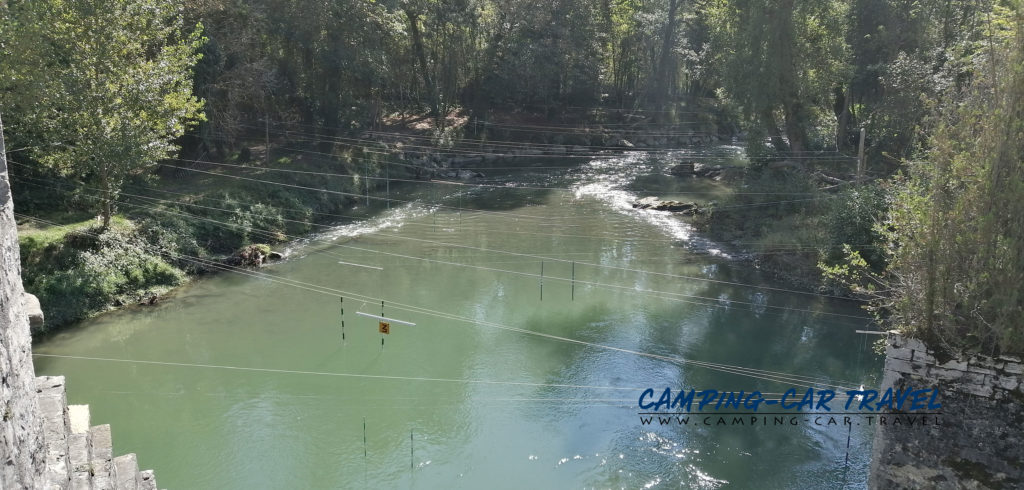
979,442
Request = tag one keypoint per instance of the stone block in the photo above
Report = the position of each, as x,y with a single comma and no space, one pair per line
986,362
102,477
914,344
982,390
1008,383
922,355
943,374
980,370
30,303
1013,368
101,445
899,353
894,339
898,365
954,364
80,460
126,472
148,480
78,416
53,408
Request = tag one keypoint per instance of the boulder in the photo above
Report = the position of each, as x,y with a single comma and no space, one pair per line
653,203
709,171
275,256
717,171
684,169
32,308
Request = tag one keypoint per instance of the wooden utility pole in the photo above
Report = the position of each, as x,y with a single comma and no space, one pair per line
860,156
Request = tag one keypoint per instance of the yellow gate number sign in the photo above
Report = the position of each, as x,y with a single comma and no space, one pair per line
385,328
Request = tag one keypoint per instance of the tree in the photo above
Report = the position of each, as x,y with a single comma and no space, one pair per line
666,62
782,57
103,87
955,226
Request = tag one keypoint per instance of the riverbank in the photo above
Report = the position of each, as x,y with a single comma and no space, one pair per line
188,215
792,220
469,281
192,216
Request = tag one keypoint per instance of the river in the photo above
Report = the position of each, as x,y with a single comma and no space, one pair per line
248,383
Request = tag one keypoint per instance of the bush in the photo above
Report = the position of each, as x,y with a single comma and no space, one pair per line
852,219
85,271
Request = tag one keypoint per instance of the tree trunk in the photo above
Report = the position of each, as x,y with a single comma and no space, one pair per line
107,210
842,117
768,119
795,131
417,46
662,78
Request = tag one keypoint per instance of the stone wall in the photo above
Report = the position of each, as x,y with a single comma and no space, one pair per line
21,433
44,442
980,442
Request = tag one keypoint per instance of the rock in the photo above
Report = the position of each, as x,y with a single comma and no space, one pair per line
684,169
716,172
470,160
32,309
709,171
275,256
625,143
653,203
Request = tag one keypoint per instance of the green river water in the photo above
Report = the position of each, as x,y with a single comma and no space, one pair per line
467,398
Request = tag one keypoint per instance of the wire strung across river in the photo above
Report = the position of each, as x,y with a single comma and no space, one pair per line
503,252
773,376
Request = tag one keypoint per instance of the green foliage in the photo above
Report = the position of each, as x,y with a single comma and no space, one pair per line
98,88
851,224
79,270
780,58
955,227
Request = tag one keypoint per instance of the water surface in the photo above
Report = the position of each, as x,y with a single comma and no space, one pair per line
465,398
